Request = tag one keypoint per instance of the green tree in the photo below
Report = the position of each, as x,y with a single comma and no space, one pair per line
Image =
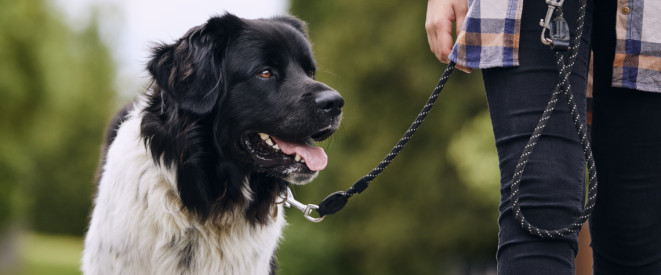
56,94
424,214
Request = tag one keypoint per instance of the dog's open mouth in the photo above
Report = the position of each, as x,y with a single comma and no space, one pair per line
271,152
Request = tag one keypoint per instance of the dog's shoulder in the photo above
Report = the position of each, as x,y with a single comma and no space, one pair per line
111,134
116,121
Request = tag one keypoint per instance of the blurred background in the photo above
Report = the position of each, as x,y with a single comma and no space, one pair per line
67,65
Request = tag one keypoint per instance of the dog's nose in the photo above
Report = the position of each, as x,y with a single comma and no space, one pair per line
329,101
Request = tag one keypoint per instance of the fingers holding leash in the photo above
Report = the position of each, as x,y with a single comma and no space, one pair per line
441,14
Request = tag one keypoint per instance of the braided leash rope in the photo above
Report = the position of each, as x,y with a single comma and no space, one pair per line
563,87
336,201
407,135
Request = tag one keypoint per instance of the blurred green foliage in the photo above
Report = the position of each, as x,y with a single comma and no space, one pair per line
56,94
435,207
49,254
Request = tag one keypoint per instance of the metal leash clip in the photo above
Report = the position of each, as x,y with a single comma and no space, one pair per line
306,209
558,28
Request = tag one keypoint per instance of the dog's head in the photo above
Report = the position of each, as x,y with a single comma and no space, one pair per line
237,98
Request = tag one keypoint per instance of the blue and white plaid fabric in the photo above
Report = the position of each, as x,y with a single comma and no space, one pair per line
490,38
637,63
490,35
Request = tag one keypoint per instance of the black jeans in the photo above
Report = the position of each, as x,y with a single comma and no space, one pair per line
626,225
626,222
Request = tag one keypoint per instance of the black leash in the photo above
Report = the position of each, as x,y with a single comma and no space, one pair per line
559,41
336,201
565,65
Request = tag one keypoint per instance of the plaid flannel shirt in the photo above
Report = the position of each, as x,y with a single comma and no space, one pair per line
490,38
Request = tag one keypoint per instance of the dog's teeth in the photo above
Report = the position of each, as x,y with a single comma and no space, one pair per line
276,147
264,136
297,157
269,142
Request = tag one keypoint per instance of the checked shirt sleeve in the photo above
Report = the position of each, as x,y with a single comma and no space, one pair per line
490,35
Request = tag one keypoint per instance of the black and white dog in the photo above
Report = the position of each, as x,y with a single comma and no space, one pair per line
194,171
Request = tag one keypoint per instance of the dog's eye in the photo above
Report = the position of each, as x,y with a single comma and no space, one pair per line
311,74
266,73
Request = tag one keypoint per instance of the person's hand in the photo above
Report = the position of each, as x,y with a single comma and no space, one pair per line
440,16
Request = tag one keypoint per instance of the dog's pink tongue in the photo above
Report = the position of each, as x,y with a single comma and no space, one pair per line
315,157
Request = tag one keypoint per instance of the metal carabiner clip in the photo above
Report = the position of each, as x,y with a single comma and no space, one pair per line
546,22
306,209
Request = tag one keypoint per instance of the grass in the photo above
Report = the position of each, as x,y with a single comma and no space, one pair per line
46,254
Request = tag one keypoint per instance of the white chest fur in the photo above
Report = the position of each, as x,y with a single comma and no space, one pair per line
138,225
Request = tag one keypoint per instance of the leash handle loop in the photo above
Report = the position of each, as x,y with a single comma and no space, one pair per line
563,87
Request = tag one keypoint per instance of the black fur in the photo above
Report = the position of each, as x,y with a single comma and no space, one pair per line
207,97
110,134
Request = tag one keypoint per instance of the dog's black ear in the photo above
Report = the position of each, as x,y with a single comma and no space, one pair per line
190,69
298,24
